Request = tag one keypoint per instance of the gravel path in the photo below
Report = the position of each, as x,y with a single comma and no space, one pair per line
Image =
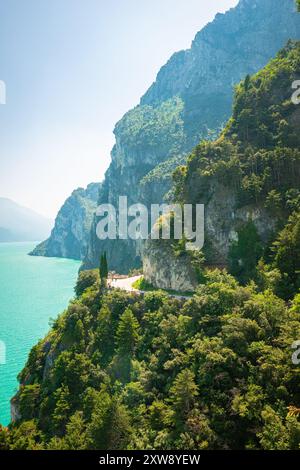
126,284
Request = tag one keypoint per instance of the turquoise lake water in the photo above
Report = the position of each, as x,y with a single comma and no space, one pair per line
32,291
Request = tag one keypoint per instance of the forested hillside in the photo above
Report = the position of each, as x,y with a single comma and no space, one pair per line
119,371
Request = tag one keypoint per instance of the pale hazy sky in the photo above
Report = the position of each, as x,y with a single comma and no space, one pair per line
72,68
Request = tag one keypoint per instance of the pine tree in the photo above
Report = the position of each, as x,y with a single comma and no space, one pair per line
127,333
76,438
110,424
62,408
183,393
104,337
127,337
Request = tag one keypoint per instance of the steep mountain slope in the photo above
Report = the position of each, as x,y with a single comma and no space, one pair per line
248,179
70,235
191,97
18,223
123,371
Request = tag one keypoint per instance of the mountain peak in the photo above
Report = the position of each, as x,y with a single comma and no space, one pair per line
19,223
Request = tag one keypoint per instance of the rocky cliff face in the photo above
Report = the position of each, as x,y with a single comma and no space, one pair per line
70,236
192,96
164,270
235,44
223,219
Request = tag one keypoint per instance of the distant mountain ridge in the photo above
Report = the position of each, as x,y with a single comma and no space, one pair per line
18,223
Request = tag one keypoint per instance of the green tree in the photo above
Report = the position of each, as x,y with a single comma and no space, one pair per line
110,424
4,441
127,337
287,257
127,333
245,253
62,408
274,435
197,262
296,304
28,399
72,370
76,438
103,269
247,82
198,434
26,436
183,393
274,201
104,336
85,280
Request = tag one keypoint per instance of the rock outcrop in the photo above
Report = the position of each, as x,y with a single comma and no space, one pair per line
164,270
190,99
70,235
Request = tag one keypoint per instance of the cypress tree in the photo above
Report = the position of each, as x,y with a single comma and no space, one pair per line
105,266
103,269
